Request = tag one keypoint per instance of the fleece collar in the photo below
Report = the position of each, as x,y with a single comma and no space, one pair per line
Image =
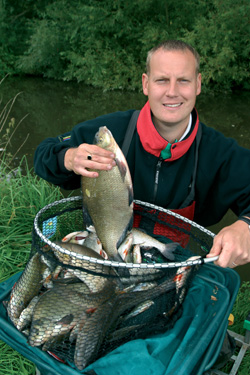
154,143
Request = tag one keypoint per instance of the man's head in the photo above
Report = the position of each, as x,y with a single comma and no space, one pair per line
172,83
173,45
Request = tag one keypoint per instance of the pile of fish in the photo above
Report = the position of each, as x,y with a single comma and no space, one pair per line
64,301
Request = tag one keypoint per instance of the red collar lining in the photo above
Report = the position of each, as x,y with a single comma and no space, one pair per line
154,143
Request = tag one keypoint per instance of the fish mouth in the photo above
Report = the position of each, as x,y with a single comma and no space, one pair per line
172,105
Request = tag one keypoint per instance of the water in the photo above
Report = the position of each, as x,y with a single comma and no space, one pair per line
55,107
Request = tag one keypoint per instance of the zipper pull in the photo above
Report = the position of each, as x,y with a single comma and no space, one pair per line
157,172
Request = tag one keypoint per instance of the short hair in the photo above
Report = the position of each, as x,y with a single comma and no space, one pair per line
173,45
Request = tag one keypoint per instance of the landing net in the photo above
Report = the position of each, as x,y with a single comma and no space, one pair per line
79,307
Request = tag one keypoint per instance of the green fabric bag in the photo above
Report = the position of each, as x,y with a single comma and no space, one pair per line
188,348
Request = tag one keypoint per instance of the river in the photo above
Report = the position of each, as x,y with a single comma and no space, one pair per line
54,107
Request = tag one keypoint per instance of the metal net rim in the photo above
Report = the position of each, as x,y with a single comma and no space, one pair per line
110,263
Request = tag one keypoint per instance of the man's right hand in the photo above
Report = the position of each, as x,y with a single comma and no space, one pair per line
85,157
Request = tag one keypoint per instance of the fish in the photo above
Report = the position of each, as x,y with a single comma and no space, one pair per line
108,199
27,287
125,249
59,309
139,309
76,237
136,254
103,320
94,279
93,242
144,240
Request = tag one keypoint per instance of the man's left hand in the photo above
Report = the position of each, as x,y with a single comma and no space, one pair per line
232,244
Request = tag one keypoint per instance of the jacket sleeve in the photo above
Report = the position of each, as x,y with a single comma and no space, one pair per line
224,180
49,162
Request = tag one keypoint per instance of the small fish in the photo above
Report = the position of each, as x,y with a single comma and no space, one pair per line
123,332
139,309
125,248
27,287
144,240
108,199
76,237
93,242
136,254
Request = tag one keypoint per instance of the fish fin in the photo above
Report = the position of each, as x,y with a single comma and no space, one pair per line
130,196
86,216
169,249
122,168
125,233
67,319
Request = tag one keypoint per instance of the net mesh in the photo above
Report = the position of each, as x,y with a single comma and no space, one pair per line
78,305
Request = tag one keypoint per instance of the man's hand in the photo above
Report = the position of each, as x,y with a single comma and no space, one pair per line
85,157
232,244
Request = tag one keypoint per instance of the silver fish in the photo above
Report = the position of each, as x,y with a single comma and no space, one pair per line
108,199
26,287
144,240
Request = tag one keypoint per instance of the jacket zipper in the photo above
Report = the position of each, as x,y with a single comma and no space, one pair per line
157,173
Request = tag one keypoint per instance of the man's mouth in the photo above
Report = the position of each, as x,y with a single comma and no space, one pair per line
172,105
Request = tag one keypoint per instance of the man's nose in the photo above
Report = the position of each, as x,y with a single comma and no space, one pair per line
172,89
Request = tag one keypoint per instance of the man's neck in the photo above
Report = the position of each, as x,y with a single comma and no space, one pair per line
172,133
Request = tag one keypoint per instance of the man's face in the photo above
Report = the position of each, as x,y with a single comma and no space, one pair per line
171,86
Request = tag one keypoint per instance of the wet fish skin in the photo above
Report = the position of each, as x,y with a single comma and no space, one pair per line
144,240
27,287
108,199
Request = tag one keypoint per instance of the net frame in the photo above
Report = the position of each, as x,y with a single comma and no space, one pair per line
116,264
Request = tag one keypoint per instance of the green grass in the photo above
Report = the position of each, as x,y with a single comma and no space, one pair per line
22,195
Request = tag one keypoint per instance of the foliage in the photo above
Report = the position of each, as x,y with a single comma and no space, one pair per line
104,43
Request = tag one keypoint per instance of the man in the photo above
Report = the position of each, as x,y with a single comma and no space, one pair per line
175,161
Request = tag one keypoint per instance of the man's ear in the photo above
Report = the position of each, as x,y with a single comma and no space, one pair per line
145,84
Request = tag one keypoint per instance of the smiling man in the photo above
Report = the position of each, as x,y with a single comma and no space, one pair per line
171,84
175,161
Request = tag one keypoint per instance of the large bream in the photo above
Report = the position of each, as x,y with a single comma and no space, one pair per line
108,199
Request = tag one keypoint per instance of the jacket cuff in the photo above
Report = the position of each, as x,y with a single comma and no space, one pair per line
60,160
245,219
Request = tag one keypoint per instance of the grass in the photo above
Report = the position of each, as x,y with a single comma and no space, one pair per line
22,195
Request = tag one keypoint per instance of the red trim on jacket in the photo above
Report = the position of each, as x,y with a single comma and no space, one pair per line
154,143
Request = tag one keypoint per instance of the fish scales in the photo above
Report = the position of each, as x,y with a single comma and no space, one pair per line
27,287
93,332
108,199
